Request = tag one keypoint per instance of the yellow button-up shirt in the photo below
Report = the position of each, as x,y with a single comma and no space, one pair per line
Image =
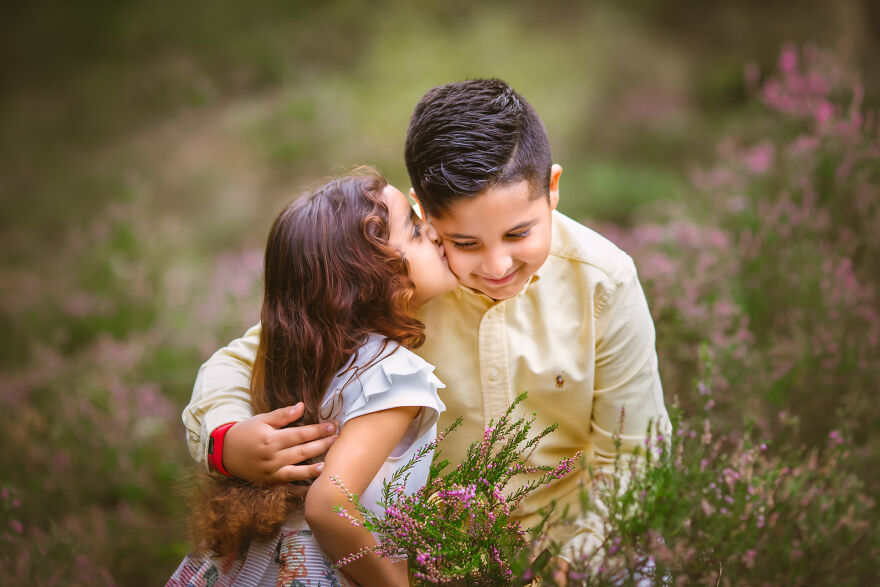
578,337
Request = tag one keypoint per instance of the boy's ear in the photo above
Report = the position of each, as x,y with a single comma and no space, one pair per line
555,173
418,206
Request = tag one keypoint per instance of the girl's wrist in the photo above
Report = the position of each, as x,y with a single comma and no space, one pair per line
215,448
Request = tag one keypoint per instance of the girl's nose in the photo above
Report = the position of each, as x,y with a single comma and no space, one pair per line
432,233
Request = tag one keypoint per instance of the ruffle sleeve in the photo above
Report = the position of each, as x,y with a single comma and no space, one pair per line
398,378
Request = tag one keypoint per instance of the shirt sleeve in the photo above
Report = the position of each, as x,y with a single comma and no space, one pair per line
627,397
221,393
628,393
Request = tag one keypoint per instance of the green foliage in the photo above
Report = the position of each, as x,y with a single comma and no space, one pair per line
458,527
147,145
91,404
772,273
616,191
702,509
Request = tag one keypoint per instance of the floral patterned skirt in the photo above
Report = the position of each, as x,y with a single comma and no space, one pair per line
292,558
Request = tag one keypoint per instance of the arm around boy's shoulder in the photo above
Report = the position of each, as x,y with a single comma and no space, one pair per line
221,393
258,448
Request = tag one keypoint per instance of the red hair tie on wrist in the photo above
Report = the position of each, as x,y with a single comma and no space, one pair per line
215,448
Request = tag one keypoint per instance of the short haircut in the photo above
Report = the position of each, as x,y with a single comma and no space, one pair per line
466,137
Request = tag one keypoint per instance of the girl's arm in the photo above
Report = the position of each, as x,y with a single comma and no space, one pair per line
258,448
361,449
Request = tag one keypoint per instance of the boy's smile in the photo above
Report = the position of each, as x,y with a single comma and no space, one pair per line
497,240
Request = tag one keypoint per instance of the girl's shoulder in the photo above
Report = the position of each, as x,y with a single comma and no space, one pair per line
381,375
380,352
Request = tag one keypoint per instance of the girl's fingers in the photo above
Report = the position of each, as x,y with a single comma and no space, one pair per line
289,473
295,455
283,416
296,435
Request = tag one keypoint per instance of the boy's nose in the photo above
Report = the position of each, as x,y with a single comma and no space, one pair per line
496,264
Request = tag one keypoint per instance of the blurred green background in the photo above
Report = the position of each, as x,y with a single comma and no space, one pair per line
225,108
146,147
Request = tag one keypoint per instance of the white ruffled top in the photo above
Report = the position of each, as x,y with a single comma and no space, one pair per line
378,379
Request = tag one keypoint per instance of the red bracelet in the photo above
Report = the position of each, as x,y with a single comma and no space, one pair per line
215,448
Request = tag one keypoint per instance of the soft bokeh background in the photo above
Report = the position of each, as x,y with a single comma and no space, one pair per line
146,147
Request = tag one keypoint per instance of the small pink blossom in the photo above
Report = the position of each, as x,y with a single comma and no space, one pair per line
788,60
836,437
823,112
759,158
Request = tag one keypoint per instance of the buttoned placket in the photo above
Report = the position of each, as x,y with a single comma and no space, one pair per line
494,370
494,355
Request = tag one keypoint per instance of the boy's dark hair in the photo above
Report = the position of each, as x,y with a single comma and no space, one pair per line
466,137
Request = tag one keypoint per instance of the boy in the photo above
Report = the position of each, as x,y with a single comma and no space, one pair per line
545,305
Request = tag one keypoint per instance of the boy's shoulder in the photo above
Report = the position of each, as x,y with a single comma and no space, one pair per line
582,246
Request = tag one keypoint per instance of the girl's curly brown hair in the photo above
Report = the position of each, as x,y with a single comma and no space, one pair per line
331,279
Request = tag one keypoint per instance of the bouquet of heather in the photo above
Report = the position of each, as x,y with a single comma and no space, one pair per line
458,528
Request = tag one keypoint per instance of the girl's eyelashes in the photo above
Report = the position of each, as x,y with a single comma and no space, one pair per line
416,222
521,234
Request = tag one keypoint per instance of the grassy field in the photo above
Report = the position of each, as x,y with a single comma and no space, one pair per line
146,148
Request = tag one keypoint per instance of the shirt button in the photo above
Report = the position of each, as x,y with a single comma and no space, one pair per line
493,374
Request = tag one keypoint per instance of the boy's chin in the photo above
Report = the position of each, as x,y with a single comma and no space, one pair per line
499,293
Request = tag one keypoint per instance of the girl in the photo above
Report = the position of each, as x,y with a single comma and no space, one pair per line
344,269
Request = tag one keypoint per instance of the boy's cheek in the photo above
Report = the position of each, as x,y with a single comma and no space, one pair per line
457,264
463,271
529,255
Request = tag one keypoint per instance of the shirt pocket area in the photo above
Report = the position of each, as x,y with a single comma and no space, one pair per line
570,408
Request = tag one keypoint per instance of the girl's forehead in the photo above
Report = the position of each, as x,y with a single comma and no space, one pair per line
399,208
395,200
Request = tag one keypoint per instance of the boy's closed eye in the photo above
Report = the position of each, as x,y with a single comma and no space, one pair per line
520,234
470,245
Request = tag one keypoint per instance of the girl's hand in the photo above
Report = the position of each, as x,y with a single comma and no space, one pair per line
261,450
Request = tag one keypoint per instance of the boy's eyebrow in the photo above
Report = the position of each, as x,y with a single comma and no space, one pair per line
520,226
523,225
